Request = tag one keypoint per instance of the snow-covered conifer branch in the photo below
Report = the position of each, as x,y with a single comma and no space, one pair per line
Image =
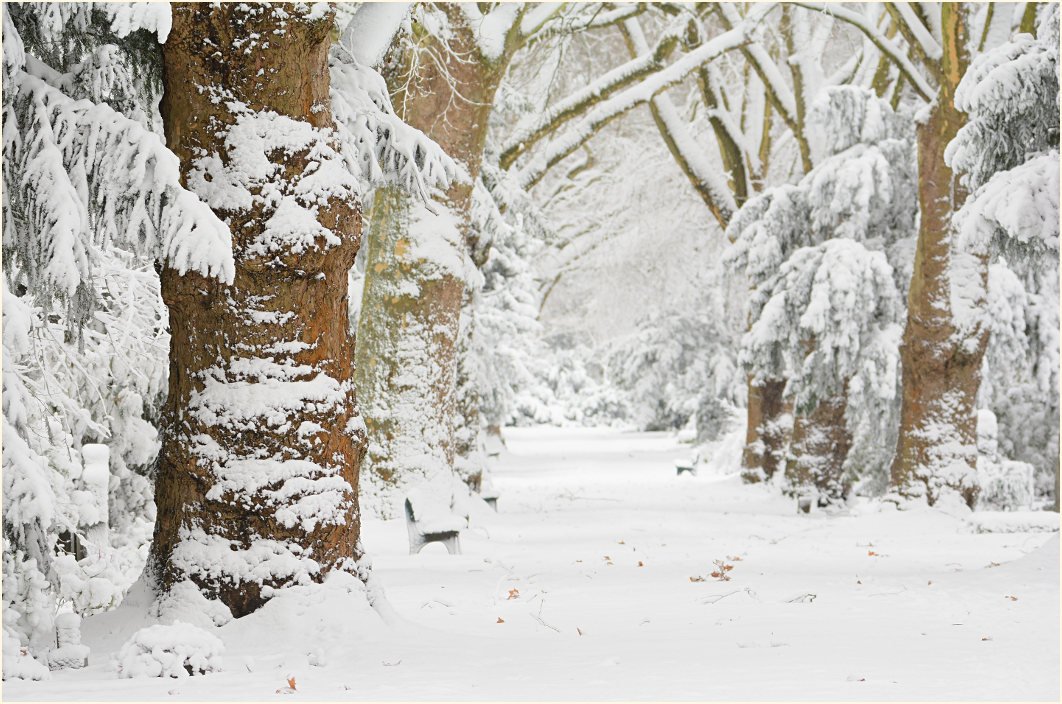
383,147
863,187
387,149
1015,213
91,174
1008,150
820,314
127,17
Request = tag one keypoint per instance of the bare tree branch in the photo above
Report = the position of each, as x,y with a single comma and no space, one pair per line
582,100
860,21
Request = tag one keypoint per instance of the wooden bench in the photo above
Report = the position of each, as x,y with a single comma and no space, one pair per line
422,533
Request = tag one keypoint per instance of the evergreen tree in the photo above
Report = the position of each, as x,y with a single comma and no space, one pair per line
827,323
91,198
1007,156
862,189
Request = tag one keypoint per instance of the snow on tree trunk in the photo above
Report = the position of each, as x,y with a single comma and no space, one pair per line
818,451
768,431
258,471
943,344
419,266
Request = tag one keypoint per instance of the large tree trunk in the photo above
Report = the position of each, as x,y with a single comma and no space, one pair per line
818,452
258,471
418,270
942,346
768,431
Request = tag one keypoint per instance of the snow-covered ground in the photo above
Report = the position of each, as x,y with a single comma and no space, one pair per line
593,581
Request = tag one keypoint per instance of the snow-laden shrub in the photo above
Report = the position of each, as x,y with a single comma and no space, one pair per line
71,653
175,650
1005,486
568,388
17,661
715,418
670,364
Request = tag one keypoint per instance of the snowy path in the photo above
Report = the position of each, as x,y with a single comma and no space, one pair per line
596,540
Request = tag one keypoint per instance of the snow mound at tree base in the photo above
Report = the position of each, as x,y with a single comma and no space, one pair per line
306,617
175,650
1014,521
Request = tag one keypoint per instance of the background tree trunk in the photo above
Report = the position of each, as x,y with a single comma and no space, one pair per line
818,451
448,93
941,361
768,430
258,471
407,353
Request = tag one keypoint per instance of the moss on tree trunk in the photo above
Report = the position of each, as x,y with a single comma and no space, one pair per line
406,356
446,91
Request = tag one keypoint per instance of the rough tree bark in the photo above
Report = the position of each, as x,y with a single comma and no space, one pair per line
258,471
941,360
818,451
412,301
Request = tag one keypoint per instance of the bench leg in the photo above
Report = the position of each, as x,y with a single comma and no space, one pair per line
452,545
